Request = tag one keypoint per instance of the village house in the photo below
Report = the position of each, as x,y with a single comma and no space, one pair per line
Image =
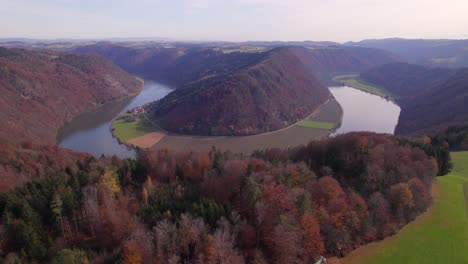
138,110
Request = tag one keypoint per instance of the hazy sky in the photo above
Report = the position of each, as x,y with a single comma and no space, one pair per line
235,20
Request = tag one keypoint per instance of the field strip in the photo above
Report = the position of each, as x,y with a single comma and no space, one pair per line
147,140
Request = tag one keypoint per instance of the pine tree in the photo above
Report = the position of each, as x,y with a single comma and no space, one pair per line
144,195
56,206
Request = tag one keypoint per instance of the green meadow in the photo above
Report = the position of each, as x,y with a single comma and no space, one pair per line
439,236
316,124
124,130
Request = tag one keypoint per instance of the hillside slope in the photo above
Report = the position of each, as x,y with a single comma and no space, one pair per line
271,93
43,90
403,79
178,64
325,63
443,105
430,52
20,164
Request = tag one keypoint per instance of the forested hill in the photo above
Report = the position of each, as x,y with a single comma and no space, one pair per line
443,105
272,93
324,199
177,64
431,99
406,80
42,90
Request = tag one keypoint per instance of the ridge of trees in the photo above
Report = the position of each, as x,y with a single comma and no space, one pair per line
277,206
42,90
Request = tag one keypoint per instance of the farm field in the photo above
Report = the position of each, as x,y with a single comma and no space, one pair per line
354,81
124,130
147,140
438,236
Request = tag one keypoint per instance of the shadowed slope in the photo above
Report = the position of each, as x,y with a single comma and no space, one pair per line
43,90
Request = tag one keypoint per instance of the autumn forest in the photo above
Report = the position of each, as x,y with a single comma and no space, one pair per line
324,199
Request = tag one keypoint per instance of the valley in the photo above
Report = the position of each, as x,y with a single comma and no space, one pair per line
355,114
233,132
209,95
236,143
81,135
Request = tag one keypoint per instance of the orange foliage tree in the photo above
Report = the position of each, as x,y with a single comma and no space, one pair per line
132,253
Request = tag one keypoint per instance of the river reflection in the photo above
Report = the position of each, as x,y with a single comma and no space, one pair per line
365,112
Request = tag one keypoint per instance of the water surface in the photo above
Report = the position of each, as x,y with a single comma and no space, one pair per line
365,112
91,132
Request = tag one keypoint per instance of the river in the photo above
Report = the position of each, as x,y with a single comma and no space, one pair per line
91,132
365,112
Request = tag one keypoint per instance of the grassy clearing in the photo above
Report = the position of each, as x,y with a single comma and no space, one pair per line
354,81
125,130
440,236
316,124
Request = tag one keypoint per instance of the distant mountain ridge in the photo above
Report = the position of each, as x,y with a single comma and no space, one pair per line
177,64
406,80
451,53
173,65
43,90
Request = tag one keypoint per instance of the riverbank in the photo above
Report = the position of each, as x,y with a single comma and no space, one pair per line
91,132
105,111
365,111
354,81
351,110
294,135
285,138
134,132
